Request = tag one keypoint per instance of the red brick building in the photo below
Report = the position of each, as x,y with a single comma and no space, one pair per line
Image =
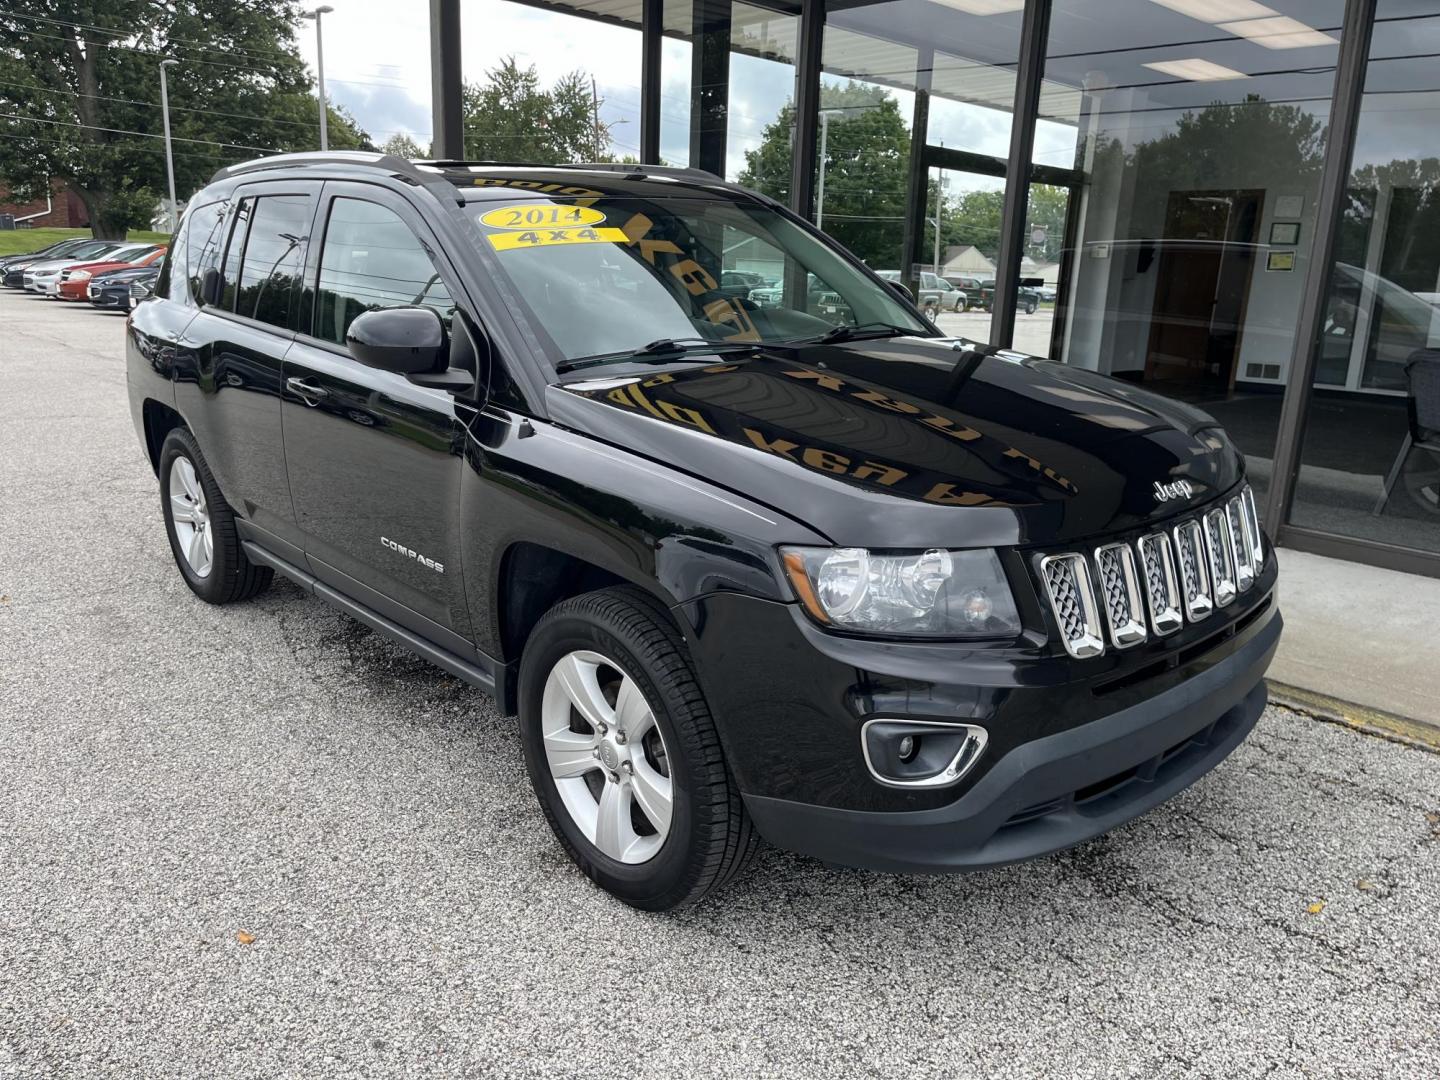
66,211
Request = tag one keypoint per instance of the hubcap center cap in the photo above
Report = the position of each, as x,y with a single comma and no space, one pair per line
609,754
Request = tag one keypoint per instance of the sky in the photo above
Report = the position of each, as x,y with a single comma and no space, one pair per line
377,64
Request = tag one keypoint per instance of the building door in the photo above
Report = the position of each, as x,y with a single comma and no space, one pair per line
1205,260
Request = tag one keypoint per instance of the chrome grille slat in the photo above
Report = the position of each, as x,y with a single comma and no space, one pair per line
1252,526
1067,579
1162,590
1120,592
1240,544
1194,581
1220,559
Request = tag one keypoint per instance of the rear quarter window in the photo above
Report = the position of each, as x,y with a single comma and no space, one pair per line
199,248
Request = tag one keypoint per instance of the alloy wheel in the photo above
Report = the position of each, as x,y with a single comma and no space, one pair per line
191,517
607,756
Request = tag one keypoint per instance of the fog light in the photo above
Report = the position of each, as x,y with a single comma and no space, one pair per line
920,753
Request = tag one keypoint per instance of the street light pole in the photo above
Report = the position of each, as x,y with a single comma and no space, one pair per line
939,194
324,9
169,153
825,115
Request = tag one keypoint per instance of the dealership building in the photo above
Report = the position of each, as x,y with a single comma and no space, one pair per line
1233,203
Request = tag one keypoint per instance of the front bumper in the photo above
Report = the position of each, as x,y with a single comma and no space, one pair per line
1053,792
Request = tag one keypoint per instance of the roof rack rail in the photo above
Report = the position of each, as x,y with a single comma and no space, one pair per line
598,166
424,169
322,157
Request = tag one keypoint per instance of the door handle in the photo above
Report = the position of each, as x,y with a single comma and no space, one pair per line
306,389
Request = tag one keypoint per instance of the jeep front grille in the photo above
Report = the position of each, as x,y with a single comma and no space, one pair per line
1067,579
1173,576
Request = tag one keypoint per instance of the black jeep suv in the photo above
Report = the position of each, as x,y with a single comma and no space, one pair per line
892,599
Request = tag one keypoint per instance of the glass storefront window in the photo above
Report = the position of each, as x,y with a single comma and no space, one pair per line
876,58
557,106
1198,144
1370,462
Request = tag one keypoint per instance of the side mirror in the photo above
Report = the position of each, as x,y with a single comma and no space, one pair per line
211,286
409,341
899,287
405,340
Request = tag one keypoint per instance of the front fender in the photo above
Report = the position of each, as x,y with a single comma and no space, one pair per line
679,538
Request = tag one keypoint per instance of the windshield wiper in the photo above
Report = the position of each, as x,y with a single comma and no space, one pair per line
870,329
658,351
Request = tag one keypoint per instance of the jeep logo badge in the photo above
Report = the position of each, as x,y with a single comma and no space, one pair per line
1176,490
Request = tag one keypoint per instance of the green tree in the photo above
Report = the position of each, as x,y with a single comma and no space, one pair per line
80,97
343,131
510,117
866,165
402,146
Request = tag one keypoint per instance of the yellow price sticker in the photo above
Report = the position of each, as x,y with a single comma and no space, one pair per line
533,238
541,215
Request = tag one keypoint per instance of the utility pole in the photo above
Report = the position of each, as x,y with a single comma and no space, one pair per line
595,117
324,9
169,152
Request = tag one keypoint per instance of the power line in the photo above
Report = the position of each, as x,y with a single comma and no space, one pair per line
142,134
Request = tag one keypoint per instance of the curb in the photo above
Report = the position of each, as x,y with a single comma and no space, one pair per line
1415,733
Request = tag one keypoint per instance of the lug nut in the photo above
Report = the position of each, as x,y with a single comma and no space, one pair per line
614,778
627,766
619,737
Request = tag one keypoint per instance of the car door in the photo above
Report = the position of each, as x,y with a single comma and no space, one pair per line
229,393
374,460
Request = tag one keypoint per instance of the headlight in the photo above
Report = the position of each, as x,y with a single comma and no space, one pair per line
80,275
932,593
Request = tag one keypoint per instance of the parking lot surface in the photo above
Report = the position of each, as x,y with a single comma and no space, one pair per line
260,841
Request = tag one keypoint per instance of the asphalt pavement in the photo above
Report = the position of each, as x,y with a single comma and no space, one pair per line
260,841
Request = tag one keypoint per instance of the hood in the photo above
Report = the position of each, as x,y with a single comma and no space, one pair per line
50,266
917,442
125,273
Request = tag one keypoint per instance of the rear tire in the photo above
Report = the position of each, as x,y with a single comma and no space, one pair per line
620,650
1030,307
201,527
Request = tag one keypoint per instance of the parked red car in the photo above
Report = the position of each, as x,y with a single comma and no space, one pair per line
74,280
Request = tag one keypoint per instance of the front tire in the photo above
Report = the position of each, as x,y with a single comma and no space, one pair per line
623,753
201,527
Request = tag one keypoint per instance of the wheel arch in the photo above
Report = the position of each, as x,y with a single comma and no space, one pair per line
159,420
534,576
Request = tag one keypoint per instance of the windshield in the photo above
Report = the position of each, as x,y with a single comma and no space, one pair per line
95,248
607,275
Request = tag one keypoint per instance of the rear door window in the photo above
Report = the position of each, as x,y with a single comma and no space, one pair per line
273,261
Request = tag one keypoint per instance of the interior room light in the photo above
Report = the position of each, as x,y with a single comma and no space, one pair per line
1196,70
1214,11
1279,32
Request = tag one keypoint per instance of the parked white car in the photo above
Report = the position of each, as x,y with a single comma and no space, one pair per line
44,277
